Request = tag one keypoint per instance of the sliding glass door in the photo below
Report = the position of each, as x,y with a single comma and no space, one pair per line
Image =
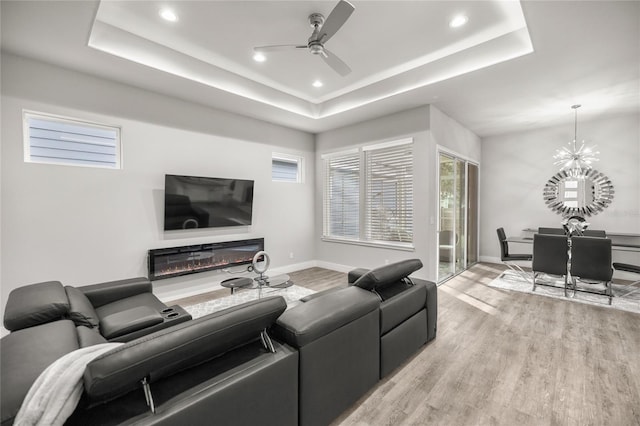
472,213
458,215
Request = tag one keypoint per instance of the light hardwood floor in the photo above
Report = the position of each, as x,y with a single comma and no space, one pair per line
506,358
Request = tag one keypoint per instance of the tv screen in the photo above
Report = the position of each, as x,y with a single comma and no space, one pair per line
204,202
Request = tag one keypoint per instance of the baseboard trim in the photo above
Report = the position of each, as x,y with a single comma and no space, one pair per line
490,259
334,266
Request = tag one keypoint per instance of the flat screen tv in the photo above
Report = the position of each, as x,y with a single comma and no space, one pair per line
205,202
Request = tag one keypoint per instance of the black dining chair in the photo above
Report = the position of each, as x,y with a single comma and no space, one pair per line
594,233
553,231
591,261
509,259
550,256
627,267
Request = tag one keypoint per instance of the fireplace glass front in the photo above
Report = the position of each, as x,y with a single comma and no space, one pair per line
176,261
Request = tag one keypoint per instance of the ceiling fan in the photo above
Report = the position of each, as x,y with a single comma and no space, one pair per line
323,30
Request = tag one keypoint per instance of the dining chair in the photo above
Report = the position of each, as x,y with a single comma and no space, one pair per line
509,259
626,267
594,233
554,231
550,256
591,260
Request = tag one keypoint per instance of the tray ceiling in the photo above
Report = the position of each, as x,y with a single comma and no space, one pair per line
514,66
392,47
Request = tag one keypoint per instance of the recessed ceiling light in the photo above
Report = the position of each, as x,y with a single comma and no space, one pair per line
259,57
168,15
317,83
458,21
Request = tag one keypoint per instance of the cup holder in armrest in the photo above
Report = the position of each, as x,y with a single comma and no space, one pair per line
175,313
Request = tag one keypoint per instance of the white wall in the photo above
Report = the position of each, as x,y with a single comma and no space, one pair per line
456,138
515,168
84,225
428,127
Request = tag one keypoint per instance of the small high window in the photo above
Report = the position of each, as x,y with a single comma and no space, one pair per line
286,168
57,140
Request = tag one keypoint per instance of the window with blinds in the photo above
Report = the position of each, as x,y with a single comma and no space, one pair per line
342,196
369,194
389,194
56,140
286,168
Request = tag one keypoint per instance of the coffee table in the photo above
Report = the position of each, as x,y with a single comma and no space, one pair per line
291,294
259,283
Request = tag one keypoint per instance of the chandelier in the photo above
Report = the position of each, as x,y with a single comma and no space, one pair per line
574,158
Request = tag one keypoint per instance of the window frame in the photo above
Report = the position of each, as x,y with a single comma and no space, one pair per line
26,137
364,207
289,158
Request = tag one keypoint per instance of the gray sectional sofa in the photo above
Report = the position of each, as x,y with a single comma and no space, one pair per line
251,364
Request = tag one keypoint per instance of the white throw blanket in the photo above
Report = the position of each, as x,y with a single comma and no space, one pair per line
56,392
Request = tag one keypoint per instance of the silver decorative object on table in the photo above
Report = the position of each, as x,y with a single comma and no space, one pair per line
260,267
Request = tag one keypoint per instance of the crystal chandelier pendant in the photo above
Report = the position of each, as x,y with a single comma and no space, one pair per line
574,158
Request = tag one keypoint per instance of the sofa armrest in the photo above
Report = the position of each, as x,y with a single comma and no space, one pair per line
104,293
318,317
128,321
35,304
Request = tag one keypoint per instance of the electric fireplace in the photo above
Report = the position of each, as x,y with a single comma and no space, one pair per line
184,260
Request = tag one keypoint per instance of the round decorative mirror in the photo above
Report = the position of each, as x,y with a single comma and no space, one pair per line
578,192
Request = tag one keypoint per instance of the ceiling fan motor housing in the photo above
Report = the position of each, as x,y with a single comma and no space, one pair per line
316,20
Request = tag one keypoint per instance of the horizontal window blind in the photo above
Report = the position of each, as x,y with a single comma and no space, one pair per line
56,140
342,196
284,170
389,194
368,194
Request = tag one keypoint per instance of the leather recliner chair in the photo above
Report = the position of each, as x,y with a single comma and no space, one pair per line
408,309
348,338
119,311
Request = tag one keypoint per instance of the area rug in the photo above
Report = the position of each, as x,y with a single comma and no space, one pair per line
512,281
292,296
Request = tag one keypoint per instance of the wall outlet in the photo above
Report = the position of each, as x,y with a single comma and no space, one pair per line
291,255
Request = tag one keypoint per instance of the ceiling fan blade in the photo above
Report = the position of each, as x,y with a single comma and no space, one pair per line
336,19
277,47
336,63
